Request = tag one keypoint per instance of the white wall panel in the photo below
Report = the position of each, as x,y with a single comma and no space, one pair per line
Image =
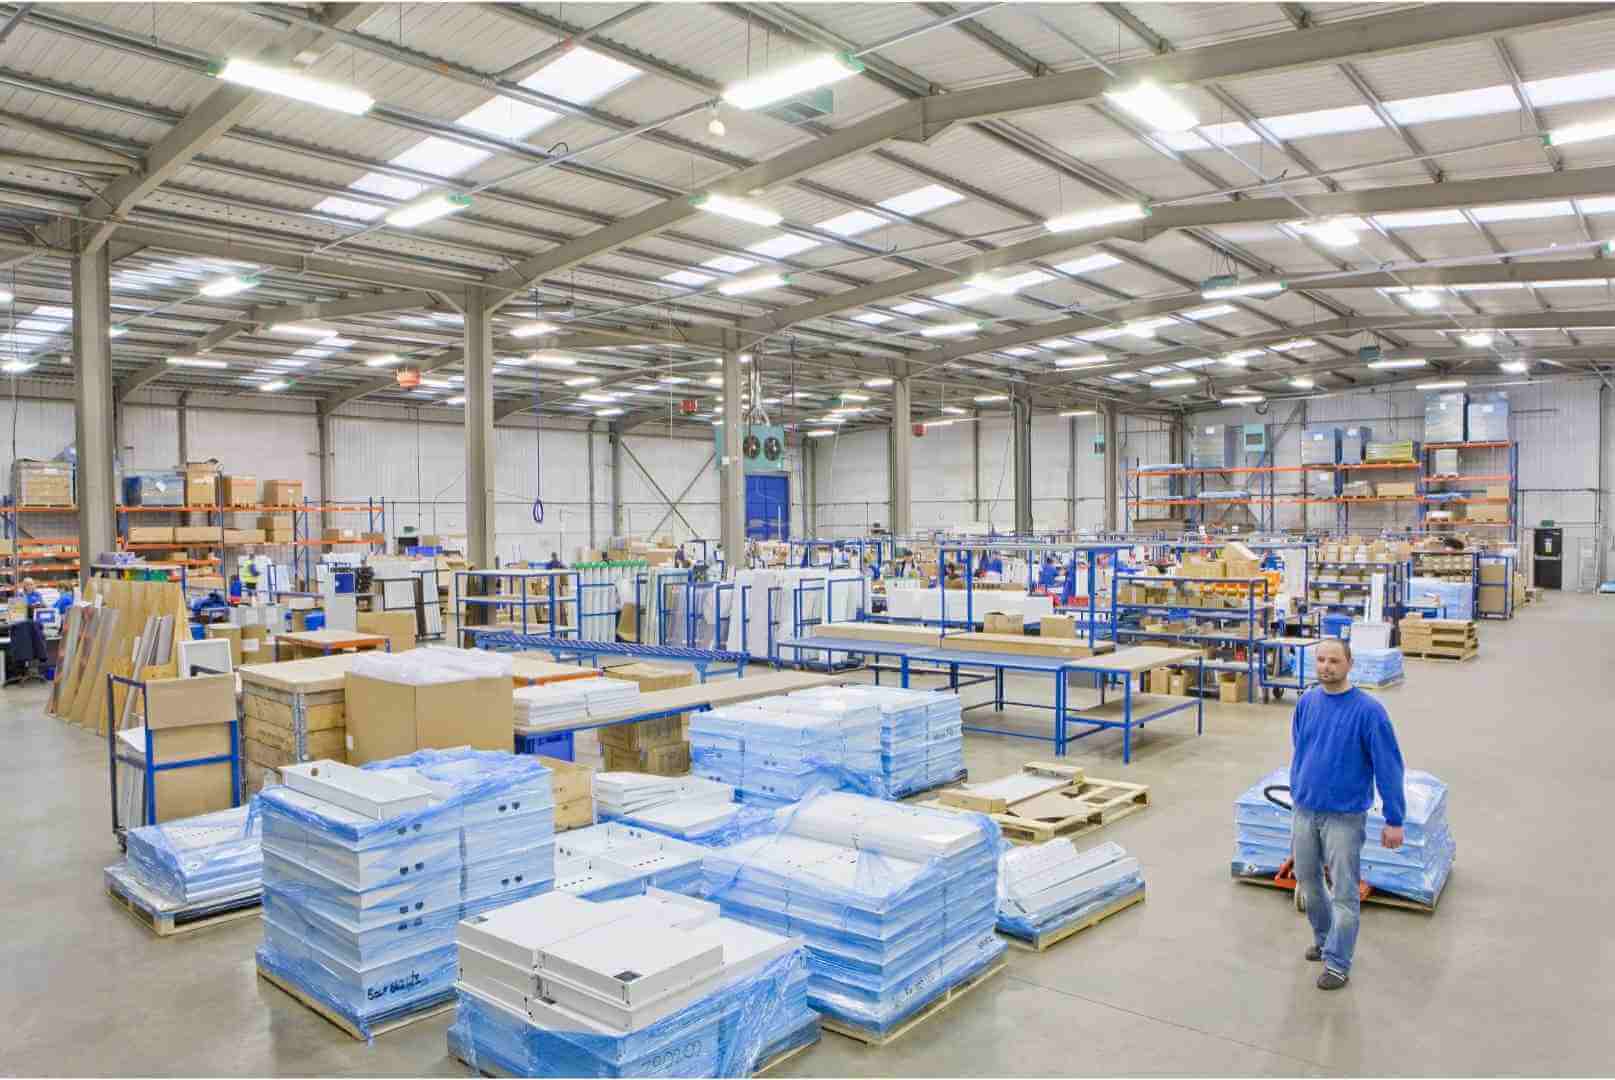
149,438
852,483
279,446
33,429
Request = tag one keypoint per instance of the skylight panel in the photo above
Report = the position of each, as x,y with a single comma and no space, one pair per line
1484,101
1587,86
390,187
1487,286
729,264
687,277
440,157
1571,283
1020,352
49,326
1419,219
1088,264
1322,122
1211,311
872,318
1023,281
349,208
289,362
783,247
1603,205
913,308
1523,211
853,223
963,296
580,76
1123,376
1105,334
508,118
1158,369
1197,362
52,311
922,200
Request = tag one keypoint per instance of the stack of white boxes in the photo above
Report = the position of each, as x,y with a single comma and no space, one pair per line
367,871
610,860
921,734
656,984
1043,888
776,750
210,859
897,903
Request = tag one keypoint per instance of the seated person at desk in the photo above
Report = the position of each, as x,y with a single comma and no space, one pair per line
555,562
952,579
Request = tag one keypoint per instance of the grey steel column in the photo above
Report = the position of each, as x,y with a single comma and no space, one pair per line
588,446
92,398
479,446
1112,465
615,437
182,424
731,466
975,466
1071,474
327,495
902,460
1021,443
810,486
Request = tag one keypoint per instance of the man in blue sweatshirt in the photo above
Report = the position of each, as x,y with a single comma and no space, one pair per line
1343,747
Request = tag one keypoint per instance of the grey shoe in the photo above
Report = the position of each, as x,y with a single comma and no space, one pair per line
1331,980
1314,952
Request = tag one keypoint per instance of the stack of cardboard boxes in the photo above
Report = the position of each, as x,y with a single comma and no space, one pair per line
292,711
43,483
573,785
660,747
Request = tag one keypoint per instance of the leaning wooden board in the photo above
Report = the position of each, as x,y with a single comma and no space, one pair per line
1047,801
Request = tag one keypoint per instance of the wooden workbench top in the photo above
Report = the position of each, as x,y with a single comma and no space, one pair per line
719,692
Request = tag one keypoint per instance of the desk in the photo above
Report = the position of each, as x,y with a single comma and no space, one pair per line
304,643
662,703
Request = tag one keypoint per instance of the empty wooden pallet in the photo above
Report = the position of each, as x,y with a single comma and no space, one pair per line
1048,801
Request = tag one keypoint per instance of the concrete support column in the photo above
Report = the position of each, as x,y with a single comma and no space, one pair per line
479,447
588,447
182,425
731,464
618,526
93,420
1071,474
1021,448
975,467
810,487
1112,465
327,493
901,466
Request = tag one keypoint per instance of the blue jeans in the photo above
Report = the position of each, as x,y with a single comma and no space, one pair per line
1334,841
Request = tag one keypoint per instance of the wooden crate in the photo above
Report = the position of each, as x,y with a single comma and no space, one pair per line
870,1037
1071,805
165,918
1054,937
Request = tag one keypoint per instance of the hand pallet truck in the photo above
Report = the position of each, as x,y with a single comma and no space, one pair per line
1285,878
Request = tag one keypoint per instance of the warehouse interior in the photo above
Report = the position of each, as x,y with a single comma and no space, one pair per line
874,479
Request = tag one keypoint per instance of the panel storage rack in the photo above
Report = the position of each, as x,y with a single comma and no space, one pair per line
1237,626
1344,587
1482,467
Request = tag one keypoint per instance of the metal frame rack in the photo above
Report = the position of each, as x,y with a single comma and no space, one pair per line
57,568
304,542
1090,553
1186,488
1507,585
1396,587
1278,547
1484,478
801,552
552,604
1414,571
1254,616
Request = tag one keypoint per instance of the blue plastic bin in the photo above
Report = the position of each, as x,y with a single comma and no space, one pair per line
556,745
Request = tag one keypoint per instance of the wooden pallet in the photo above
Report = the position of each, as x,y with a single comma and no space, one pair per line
874,1038
1384,899
1079,807
423,1011
166,919
964,775
1444,656
489,1069
1054,937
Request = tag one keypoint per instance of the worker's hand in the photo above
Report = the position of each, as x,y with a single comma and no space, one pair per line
1391,838
1287,868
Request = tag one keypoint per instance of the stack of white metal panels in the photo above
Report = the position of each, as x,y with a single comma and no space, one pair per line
921,733
897,903
206,859
1045,887
366,871
657,984
776,750
574,701
610,860
692,808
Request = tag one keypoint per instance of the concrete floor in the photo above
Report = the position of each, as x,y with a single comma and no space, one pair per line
1511,975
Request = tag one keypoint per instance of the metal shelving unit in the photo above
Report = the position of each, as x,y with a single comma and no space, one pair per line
1254,616
1486,476
1395,586
476,611
51,568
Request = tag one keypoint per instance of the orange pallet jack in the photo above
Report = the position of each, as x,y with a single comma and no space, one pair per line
1285,878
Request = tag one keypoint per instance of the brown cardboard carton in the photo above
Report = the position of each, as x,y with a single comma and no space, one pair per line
151,534
645,734
628,622
279,536
1497,491
229,633
1398,488
1057,626
235,536
670,759
398,627
201,483
569,780
574,813
1232,686
651,677
187,719
251,536
1242,569
1179,685
268,522
343,535
238,490
1493,572
387,719
44,483
1003,622
283,492
1161,681
196,534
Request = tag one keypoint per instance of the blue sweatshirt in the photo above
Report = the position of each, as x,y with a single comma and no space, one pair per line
1344,746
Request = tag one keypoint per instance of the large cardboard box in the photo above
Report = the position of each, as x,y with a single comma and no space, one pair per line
1057,626
670,759
251,536
283,492
643,735
652,677
1232,686
1397,488
397,626
1003,622
1161,681
387,719
1493,513
574,813
1493,572
44,483
188,719
271,522
343,535
201,483
151,534
229,633
569,780
197,534
238,490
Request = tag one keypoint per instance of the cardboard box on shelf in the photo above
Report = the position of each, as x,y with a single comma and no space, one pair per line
201,483
1161,681
339,534
269,522
151,534
235,536
238,490
669,759
574,813
398,627
1490,513
569,780
1242,569
1196,567
1179,684
280,536
252,536
388,719
1232,686
1356,489
44,483
643,735
1497,491
1057,626
197,534
255,644
283,492
1397,488
649,677
189,719
1003,622
1493,572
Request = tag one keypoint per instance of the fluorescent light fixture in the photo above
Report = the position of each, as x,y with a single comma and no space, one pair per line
1333,234
1140,329
712,380
1216,290
1210,311
1478,340
117,331
428,209
1447,384
308,330
458,399
1244,399
951,329
287,362
819,433
1515,367
1176,380
598,399
1123,376
1576,133
1086,360
876,384
533,329
581,380
873,318
1422,299
1293,344
228,286
1239,357
1197,362
1159,369
672,380
608,412
848,396
384,360
294,84
1393,365
739,209
552,359
755,283
1154,106
1303,382
1097,217
921,200
987,399
783,247
1001,286
273,387
913,307
196,362
17,367
1078,412
437,384
788,82
745,358
954,410
1088,264
7,296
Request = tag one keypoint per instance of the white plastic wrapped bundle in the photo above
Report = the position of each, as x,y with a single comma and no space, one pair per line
204,859
776,750
366,873
1369,667
432,664
1457,598
921,734
1045,887
622,860
896,903
1417,870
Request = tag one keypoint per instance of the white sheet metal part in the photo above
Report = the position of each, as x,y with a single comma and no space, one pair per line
369,794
